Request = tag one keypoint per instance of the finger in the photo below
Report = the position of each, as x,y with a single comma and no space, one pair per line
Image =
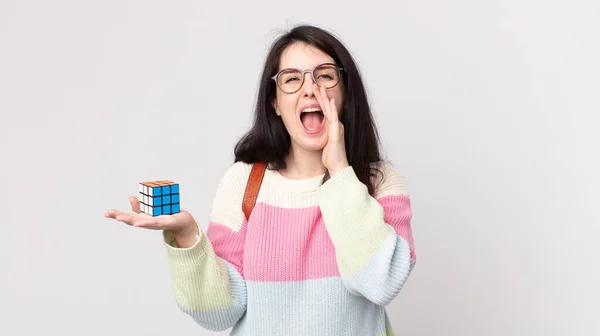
335,123
126,218
135,204
112,213
325,103
333,109
331,113
319,96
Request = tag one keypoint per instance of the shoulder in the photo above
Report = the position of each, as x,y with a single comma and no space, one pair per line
235,175
388,180
232,185
227,203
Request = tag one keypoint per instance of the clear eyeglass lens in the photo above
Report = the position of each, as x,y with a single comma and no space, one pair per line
325,75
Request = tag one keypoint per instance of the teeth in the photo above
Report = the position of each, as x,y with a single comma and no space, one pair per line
312,109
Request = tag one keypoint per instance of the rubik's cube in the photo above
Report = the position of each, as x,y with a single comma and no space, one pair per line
159,197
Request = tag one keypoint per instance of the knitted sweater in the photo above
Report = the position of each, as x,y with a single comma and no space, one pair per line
313,259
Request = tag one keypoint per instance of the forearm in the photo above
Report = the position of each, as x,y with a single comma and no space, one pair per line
206,287
374,256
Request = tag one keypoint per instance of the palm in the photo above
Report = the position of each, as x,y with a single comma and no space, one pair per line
175,222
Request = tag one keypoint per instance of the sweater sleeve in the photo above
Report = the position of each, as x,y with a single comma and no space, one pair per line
372,236
207,277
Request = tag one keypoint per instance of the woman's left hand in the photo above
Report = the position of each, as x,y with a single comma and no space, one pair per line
334,154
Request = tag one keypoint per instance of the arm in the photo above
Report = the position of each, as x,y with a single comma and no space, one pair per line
207,276
372,236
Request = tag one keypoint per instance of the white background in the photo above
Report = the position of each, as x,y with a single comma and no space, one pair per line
488,108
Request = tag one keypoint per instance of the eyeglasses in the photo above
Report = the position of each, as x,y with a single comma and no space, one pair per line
291,80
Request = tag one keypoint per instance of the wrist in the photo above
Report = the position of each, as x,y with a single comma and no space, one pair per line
186,237
335,171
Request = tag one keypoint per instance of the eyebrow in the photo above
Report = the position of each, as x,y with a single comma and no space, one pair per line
299,68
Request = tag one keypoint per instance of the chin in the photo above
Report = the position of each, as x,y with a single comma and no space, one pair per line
314,146
311,143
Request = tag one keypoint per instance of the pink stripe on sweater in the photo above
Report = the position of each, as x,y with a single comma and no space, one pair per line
293,244
398,213
288,245
228,244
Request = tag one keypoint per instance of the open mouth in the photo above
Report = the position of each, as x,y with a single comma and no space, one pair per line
312,119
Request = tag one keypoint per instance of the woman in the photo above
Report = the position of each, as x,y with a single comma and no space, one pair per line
328,244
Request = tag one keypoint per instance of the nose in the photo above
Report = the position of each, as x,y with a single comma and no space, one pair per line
307,86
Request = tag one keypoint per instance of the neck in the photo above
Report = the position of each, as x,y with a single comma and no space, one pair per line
302,164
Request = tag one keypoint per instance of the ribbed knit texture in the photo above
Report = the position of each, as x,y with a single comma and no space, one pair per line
312,260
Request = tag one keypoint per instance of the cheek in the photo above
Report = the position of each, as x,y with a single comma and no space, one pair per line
287,104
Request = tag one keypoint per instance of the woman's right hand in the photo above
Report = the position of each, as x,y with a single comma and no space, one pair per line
182,224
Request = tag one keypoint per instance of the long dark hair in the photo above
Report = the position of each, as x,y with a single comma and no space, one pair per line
268,140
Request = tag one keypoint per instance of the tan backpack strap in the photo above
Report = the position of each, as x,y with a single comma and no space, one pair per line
252,188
